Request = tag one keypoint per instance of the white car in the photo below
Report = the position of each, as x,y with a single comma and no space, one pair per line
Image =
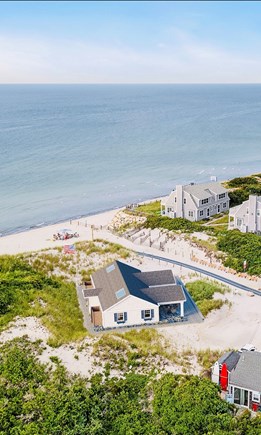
248,347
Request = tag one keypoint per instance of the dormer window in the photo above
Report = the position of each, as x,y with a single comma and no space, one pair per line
205,201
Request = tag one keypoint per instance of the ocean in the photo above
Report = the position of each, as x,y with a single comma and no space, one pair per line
73,150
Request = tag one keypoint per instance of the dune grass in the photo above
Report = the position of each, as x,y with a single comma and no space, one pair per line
202,291
25,291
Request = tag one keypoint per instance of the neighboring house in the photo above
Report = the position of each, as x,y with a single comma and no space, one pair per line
239,373
246,217
196,201
122,295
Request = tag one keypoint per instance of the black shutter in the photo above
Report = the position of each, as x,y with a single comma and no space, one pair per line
115,317
142,314
125,317
152,314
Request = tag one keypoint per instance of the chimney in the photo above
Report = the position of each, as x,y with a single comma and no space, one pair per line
179,192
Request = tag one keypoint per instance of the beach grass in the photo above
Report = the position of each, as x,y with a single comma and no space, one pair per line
202,291
25,291
151,208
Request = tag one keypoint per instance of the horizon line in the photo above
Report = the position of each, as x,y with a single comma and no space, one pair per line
130,83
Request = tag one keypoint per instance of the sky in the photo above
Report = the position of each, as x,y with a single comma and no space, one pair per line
130,42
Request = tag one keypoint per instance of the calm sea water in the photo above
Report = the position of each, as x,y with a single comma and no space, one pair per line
72,150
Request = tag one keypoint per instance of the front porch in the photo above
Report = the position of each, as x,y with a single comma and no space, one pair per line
171,312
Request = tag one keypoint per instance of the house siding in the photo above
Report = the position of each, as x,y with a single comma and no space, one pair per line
133,306
247,216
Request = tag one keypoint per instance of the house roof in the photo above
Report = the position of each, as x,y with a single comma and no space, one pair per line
159,277
119,280
230,359
88,292
165,294
200,191
247,373
204,191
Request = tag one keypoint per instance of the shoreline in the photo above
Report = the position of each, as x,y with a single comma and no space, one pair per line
41,237
19,230
14,231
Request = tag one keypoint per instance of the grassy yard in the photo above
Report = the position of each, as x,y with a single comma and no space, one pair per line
149,209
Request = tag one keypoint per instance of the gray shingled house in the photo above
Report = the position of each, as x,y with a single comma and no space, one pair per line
240,375
122,295
196,201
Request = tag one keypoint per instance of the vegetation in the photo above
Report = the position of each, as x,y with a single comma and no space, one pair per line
242,182
151,208
25,291
102,247
207,357
44,399
240,247
177,224
202,291
243,187
135,348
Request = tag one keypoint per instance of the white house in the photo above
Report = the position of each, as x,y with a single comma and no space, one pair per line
246,217
196,201
122,295
239,374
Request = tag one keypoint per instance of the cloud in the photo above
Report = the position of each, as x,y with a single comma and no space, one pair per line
180,59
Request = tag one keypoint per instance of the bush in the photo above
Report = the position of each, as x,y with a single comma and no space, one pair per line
176,224
241,247
242,181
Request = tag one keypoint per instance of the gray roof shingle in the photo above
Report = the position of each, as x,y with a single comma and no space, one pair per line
159,277
230,359
165,294
247,373
204,191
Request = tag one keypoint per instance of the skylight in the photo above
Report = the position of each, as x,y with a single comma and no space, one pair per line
110,268
120,293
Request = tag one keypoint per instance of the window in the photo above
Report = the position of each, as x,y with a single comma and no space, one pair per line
120,317
190,213
224,205
258,213
256,396
110,268
222,195
201,212
205,201
247,210
147,314
175,199
185,200
120,293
